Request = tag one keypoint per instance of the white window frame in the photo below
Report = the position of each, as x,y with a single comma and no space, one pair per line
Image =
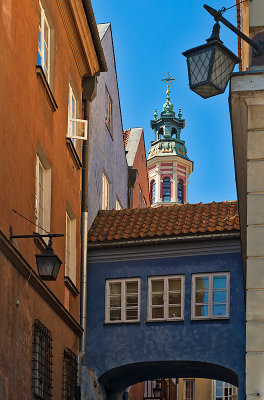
165,298
41,51
184,389
105,192
118,204
42,223
210,295
72,118
123,300
229,386
70,246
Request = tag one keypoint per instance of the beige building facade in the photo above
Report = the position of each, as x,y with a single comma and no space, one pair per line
247,118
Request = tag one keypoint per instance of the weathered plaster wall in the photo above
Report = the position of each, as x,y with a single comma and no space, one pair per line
106,154
16,321
220,342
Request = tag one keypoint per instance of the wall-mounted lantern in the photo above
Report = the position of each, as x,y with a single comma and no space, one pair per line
48,262
210,66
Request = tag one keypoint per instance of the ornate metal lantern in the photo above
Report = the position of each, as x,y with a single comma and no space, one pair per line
48,263
210,66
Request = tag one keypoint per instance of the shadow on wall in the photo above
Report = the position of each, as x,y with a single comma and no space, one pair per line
117,379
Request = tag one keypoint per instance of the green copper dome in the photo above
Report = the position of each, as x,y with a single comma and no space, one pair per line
167,128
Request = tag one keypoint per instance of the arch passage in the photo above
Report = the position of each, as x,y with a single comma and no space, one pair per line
117,379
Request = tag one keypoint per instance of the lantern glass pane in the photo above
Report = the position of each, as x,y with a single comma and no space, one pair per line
222,68
206,90
199,66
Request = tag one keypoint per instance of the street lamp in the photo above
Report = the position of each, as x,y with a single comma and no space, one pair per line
210,66
157,391
48,262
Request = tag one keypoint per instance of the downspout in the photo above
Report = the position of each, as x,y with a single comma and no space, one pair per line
89,86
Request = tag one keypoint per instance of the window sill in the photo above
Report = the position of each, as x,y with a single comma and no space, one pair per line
165,320
46,87
121,322
74,153
209,318
70,285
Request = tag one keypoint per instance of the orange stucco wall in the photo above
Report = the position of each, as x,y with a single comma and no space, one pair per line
140,164
27,122
25,119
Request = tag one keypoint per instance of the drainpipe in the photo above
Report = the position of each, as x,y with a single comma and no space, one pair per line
89,86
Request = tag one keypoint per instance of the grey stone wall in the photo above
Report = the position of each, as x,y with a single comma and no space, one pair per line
106,154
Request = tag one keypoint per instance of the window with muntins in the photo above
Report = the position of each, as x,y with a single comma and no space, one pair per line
166,189
210,296
44,46
42,196
108,112
166,298
180,192
223,390
42,361
188,389
153,192
77,128
70,370
122,300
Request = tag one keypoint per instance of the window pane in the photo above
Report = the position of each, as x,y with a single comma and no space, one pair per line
157,286
174,312
174,284
219,309
202,282
219,296
132,301
219,282
157,312
166,189
132,287
115,288
201,297
115,315
201,311
115,301
219,392
174,298
131,314
157,299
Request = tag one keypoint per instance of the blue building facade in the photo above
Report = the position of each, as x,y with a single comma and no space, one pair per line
123,353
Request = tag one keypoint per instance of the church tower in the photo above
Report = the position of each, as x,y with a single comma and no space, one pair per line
168,164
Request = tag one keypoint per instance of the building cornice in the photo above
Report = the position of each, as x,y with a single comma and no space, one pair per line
80,37
155,248
37,283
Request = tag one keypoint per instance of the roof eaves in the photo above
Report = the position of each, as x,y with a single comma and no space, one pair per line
222,235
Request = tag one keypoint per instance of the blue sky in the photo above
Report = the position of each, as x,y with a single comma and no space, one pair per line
149,37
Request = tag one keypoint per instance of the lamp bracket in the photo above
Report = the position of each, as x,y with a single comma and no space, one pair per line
258,46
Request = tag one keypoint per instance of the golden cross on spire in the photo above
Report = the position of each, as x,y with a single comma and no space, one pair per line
167,78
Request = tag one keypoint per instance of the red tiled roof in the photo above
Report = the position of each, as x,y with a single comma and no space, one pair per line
165,221
126,134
